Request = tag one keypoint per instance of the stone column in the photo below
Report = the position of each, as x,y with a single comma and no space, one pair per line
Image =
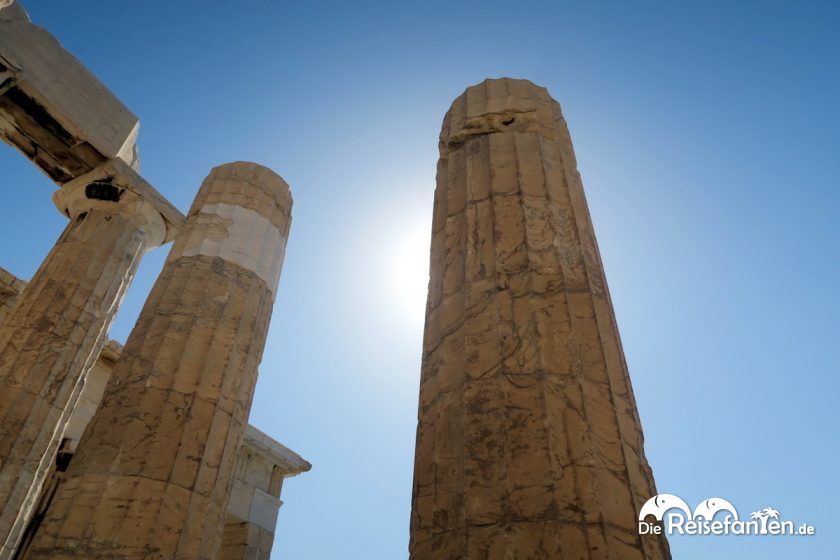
529,445
54,333
152,472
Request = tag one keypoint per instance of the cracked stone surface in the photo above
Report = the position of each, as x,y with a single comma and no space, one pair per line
10,288
53,109
529,444
51,338
153,470
246,541
262,465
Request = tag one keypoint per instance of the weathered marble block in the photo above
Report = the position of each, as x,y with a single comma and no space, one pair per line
55,110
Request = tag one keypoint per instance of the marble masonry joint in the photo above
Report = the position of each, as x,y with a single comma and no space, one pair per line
246,224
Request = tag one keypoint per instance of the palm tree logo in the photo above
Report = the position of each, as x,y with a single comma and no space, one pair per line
763,515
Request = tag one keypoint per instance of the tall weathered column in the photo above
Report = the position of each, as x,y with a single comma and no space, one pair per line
151,475
55,332
529,445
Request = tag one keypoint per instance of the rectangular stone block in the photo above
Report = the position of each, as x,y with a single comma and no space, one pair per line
55,110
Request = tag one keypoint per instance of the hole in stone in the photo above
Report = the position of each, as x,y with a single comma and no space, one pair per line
101,190
509,121
62,458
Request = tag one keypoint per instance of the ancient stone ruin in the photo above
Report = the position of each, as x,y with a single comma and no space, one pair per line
529,445
141,452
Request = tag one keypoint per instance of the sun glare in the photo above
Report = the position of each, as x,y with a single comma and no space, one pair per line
409,271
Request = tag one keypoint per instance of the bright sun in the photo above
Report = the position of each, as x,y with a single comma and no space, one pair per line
409,271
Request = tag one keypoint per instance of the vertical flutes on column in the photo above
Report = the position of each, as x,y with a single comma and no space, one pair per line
53,335
152,472
528,442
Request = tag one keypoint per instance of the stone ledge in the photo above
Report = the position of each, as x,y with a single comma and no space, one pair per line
55,110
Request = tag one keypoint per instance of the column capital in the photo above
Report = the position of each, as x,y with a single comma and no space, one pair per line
204,326
115,187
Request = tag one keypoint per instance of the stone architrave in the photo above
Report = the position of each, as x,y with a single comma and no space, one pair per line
529,444
52,108
151,475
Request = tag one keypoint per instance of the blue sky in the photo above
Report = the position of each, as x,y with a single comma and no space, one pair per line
707,137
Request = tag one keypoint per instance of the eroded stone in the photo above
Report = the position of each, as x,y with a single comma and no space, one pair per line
53,109
152,472
528,444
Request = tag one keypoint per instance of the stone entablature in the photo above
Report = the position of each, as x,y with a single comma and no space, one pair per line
53,109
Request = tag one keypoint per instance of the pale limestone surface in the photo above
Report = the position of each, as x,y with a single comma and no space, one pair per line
261,466
245,541
51,338
91,395
262,463
10,289
145,201
53,109
152,472
250,240
86,405
67,123
529,445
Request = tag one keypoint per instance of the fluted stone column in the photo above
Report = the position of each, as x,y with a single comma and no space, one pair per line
152,473
529,445
54,333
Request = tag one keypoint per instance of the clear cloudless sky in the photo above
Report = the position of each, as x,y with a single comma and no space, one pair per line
707,137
